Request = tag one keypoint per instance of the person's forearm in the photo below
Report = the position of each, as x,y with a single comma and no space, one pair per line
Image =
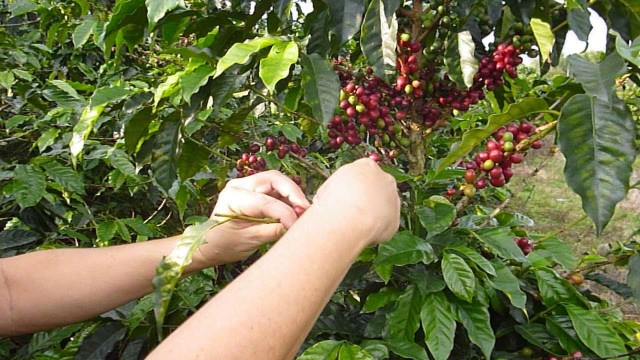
77,283
268,310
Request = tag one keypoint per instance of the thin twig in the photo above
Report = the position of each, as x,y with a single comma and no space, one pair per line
22,23
282,106
164,201
248,218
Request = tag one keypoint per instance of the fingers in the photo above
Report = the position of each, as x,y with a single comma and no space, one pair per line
255,204
274,183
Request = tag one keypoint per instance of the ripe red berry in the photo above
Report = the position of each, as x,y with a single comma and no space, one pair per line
526,127
496,155
516,158
499,182
496,172
492,145
350,87
481,183
536,144
375,157
470,176
577,355
254,148
482,156
507,173
245,157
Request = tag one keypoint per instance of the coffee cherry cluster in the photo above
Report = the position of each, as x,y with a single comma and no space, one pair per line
525,244
250,163
283,147
504,59
493,165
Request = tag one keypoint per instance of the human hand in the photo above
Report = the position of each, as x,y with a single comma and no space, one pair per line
268,194
361,197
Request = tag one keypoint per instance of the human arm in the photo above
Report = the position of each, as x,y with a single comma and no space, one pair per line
267,312
77,284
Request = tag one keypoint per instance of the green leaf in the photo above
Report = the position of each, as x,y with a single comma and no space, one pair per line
172,266
404,249
580,24
346,17
544,37
63,94
82,129
501,241
16,120
240,53
193,158
275,66
557,250
105,231
553,288
472,138
122,230
562,328
291,132
29,185
137,127
353,352
6,80
459,58
138,226
108,94
168,88
82,32
378,38
475,318
408,350
121,161
437,215
65,176
193,79
404,320
476,258
21,7
23,74
439,325
458,276
17,237
633,277
47,139
383,297
629,53
538,335
224,87
165,155
598,80
509,284
597,139
324,350
321,86
595,333
98,345
156,9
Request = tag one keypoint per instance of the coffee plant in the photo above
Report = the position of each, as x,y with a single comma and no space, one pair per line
122,120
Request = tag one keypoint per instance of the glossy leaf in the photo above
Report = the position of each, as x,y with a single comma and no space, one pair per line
544,37
240,53
98,345
475,318
403,249
404,320
459,58
193,158
408,350
156,9
82,129
439,325
82,32
501,241
631,53
346,17
383,297
595,332
553,289
458,276
378,38
165,155
65,176
597,139
538,335
136,127
561,327
324,350
29,185
47,139
633,277
64,95
580,23
321,86
484,264
472,138
598,80
275,66
509,284
436,215
172,266
17,237
193,79
559,251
